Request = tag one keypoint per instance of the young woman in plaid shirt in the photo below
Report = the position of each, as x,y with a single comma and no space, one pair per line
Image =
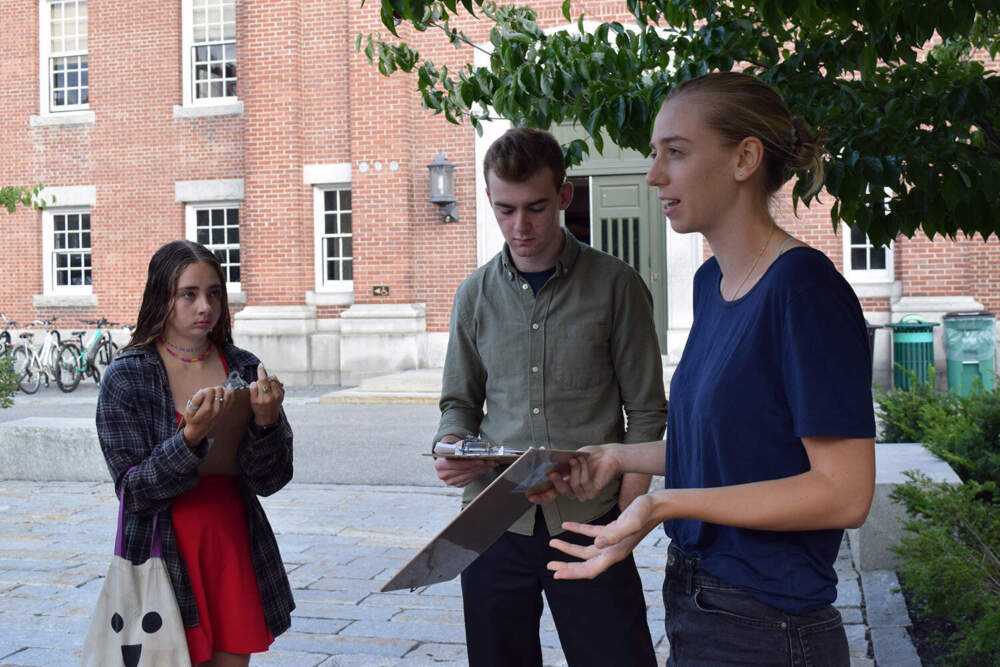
183,445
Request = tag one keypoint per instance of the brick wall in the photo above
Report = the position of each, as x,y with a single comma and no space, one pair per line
309,98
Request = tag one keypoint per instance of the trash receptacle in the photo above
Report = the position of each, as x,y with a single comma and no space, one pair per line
912,349
970,341
872,328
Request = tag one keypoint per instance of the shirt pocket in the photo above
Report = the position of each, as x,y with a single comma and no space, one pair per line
580,355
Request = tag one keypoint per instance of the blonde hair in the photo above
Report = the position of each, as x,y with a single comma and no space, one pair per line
739,105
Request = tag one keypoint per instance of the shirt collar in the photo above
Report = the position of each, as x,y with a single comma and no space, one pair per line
564,264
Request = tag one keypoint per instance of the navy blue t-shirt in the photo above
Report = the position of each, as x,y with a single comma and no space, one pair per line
790,359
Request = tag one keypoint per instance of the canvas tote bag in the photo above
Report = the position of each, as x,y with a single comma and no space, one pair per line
137,622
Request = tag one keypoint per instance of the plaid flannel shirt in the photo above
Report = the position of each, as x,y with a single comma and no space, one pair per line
137,427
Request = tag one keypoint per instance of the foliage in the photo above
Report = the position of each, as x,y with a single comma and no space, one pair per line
12,195
962,430
951,561
899,410
8,381
914,141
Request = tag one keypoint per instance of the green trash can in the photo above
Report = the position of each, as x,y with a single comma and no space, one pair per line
970,341
912,349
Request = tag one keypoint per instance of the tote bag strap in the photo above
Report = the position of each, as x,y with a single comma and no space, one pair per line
155,548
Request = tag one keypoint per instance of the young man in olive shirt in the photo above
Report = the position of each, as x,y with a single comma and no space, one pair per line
557,339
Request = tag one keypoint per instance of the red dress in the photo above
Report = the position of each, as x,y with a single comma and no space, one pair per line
210,524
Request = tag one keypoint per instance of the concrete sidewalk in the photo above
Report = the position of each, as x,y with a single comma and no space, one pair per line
340,543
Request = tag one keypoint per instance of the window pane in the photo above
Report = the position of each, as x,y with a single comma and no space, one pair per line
234,273
72,222
331,248
332,272
345,223
201,215
217,89
348,271
202,235
73,97
73,241
59,222
345,200
859,260
61,261
201,90
216,51
218,217
234,234
877,258
347,247
230,51
330,226
86,240
231,89
329,200
858,236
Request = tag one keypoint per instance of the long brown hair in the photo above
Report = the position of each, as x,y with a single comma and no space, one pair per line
165,268
739,105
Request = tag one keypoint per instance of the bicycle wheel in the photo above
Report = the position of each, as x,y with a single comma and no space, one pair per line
27,379
67,368
106,353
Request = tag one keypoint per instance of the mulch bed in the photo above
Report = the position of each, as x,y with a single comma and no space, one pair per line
928,632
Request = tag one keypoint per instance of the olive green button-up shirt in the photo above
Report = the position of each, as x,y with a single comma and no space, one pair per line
561,369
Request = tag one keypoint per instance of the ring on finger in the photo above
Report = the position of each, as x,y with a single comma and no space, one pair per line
265,389
220,399
191,406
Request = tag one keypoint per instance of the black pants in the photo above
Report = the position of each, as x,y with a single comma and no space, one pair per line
600,622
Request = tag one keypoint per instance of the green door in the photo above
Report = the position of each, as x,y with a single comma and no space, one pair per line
626,222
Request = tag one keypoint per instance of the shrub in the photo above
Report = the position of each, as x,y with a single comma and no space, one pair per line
962,430
951,561
8,381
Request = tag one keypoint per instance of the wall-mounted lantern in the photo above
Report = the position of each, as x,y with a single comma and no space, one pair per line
443,187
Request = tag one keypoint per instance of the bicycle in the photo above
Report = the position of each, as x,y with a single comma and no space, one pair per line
5,341
90,359
30,364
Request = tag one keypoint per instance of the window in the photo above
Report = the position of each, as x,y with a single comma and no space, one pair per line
209,51
334,251
66,249
217,227
63,45
862,261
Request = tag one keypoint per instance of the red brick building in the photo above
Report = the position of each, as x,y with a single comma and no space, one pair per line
255,127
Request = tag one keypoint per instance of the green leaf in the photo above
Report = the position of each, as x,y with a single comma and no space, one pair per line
565,11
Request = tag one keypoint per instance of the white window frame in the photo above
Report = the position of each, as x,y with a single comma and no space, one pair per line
44,74
856,276
49,287
187,66
191,233
323,285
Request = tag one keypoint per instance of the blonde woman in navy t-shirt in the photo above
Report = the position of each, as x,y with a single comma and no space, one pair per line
769,452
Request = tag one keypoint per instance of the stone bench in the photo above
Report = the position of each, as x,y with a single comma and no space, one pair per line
870,544
51,449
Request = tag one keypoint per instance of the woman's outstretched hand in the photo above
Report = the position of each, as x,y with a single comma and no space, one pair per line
588,474
612,542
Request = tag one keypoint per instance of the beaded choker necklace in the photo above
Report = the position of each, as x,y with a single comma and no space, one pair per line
201,357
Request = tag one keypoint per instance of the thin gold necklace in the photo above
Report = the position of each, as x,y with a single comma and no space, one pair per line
754,265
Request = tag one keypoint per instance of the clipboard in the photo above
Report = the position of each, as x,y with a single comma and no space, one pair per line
483,521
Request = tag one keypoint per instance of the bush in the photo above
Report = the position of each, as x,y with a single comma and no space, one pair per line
8,381
951,561
962,430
